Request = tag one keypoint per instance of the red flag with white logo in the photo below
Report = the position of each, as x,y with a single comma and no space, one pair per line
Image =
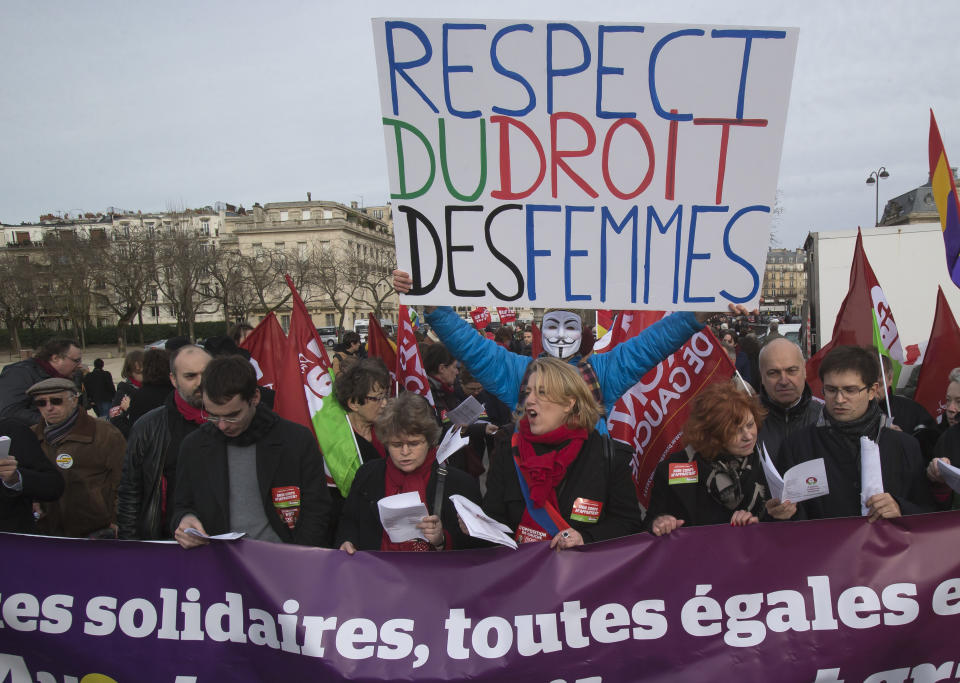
481,317
410,372
267,344
649,417
304,378
506,315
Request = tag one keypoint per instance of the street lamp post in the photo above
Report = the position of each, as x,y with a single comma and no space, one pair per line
874,179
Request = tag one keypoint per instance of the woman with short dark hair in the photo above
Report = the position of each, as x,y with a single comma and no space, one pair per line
156,383
408,428
132,373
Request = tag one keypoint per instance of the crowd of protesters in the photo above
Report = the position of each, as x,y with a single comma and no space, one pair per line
188,444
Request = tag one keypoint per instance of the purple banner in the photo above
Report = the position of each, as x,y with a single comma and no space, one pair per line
837,600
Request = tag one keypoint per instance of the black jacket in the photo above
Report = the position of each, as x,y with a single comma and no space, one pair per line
154,440
40,478
781,422
901,464
599,474
15,379
360,521
98,384
692,502
149,396
948,445
287,455
121,418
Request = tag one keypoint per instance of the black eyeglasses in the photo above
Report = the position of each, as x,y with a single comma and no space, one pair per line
54,401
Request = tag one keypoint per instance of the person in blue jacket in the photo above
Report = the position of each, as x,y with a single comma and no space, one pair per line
609,375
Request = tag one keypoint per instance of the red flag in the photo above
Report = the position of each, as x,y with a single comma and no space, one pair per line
267,345
536,348
410,370
942,356
379,346
649,417
304,378
864,319
507,315
625,325
481,317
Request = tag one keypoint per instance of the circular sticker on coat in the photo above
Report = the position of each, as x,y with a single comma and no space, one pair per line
64,461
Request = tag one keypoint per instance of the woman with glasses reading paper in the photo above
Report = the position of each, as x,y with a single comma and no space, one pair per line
408,428
556,478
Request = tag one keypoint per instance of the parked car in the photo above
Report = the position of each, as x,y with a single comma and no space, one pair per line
328,335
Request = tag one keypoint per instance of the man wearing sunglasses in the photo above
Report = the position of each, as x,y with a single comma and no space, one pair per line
56,358
850,377
87,452
248,469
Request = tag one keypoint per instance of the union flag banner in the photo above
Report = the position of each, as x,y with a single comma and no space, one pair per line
622,325
649,417
379,346
267,345
864,319
410,372
942,356
506,315
481,318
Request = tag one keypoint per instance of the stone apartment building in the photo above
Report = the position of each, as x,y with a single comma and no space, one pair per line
784,281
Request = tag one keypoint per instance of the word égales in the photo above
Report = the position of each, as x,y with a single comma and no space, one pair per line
742,620
513,116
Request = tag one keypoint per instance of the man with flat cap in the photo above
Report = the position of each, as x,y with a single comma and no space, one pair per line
89,455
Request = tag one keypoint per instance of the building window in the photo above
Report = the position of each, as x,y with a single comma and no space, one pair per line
285,323
278,245
205,227
327,214
329,320
154,311
306,214
302,250
284,215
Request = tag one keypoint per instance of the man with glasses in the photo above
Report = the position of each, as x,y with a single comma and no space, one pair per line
247,469
784,393
850,377
149,472
56,358
87,452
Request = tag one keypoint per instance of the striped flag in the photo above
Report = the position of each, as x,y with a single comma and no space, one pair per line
945,195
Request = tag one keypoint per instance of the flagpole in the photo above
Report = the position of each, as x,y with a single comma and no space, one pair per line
886,394
746,386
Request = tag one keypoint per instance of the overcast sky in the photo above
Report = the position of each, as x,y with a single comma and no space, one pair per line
165,105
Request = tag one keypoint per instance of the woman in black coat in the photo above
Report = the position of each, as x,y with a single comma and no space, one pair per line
718,478
408,428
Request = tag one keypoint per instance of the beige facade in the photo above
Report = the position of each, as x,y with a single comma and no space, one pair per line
784,281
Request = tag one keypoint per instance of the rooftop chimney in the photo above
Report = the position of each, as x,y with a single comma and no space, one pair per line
308,197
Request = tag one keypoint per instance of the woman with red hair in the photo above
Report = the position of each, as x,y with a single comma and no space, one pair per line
717,478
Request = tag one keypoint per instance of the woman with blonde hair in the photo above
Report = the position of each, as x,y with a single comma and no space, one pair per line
718,477
555,477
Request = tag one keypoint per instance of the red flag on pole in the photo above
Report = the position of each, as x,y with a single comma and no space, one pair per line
625,325
267,345
649,417
410,372
864,319
506,315
481,317
379,346
942,356
304,378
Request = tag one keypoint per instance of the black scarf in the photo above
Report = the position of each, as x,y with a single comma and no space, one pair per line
262,422
847,434
734,482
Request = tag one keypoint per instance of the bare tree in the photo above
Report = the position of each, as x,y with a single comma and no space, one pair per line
18,295
234,295
374,277
183,275
126,272
263,275
336,277
70,274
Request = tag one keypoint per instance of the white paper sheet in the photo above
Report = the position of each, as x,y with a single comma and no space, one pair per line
805,481
466,413
451,443
871,477
479,525
400,515
774,480
950,474
229,536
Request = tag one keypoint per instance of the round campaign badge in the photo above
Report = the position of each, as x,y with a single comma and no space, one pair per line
64,461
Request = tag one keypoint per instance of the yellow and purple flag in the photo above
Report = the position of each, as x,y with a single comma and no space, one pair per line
945,195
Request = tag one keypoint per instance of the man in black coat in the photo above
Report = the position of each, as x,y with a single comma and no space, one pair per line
56,358
784,393
148,484
850,377
26,475
248,470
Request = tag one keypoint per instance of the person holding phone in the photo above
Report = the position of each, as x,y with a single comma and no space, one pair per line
25,476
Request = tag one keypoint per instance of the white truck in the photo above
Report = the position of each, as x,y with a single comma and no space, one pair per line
909,263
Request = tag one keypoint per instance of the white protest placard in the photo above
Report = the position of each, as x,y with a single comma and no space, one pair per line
596,165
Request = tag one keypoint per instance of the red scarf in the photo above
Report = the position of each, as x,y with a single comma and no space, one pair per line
381,449
134,382
398,481
543,473
190,414
52,371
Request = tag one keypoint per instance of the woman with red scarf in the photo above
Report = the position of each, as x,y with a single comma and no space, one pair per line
409,429
556,478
